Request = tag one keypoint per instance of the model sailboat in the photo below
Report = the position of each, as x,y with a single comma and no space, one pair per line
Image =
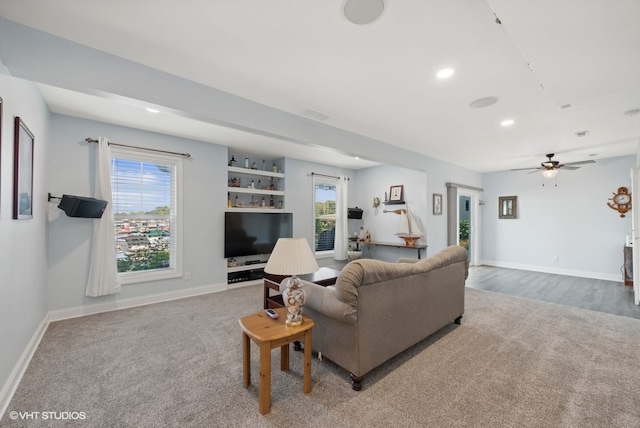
408,228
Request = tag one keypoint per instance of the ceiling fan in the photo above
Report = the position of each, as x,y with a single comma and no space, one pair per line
550,167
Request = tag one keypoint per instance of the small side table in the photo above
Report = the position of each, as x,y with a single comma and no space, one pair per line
268,333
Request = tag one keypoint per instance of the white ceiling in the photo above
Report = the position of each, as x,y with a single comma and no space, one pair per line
557,67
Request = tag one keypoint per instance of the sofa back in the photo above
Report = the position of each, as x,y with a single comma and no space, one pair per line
363,272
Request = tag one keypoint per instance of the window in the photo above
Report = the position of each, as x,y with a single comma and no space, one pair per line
146,196
324,199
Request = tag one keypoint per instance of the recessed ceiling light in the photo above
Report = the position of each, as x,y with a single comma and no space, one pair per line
483,102
507,122
444,73
152,110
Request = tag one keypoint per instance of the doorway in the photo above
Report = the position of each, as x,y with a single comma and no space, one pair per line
463,218
464,224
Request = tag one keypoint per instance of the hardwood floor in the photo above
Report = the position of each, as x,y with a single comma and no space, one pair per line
594,294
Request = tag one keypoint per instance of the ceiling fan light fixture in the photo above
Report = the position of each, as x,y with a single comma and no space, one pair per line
549,173
362,12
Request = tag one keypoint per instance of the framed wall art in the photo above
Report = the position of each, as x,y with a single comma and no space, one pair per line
23,171
437,204
508,207
395,193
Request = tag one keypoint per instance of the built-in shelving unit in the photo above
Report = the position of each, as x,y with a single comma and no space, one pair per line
266,192
268,184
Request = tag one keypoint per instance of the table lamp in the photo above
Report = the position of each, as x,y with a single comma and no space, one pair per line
291,257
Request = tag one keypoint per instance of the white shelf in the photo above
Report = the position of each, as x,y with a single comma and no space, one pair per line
255,191
259,172
242,268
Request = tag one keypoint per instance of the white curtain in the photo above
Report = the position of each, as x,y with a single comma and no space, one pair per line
342,231
103,271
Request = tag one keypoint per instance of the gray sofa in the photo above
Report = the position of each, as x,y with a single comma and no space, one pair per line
378,309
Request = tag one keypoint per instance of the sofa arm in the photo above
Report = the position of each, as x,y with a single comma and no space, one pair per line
325,301
407,260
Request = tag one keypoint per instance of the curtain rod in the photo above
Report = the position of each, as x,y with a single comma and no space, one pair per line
186,155
330,176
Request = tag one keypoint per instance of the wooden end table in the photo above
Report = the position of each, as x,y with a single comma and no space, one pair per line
268,333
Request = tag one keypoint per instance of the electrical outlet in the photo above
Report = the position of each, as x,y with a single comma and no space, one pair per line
187,276
555,258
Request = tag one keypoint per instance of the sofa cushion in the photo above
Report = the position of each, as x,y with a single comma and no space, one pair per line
362,272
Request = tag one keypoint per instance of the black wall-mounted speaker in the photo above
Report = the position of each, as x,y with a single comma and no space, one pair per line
81,206
354,213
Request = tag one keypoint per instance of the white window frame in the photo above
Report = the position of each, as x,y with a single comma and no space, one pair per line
321,180
176,270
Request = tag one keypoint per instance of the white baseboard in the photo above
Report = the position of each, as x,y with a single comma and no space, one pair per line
10,386
546,269
132,302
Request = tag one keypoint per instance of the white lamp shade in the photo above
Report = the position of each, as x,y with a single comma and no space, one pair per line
291,256
550,173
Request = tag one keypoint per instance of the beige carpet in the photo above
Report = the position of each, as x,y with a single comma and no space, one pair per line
513,362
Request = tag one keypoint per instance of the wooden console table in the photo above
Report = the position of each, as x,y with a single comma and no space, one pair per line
417,247
325,276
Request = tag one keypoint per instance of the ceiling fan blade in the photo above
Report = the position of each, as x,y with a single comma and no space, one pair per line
571,168
523,169
536,170
580,162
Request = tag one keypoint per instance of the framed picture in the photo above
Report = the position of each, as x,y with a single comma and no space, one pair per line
395,193
508,207
437,204
22,171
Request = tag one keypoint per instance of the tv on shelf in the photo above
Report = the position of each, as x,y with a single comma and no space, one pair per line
249,234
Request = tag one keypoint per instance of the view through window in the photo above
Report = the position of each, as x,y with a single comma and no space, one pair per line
324,212
144,193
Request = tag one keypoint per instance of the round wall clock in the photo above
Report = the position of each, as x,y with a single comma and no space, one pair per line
621,201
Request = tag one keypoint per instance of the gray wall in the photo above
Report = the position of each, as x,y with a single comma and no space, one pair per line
571,221
23,243
71,171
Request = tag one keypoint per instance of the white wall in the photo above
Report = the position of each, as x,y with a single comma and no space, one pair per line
300,194
23,256
374,182
571,221
71,171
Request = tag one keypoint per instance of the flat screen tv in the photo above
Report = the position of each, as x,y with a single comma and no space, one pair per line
82,206
248,234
